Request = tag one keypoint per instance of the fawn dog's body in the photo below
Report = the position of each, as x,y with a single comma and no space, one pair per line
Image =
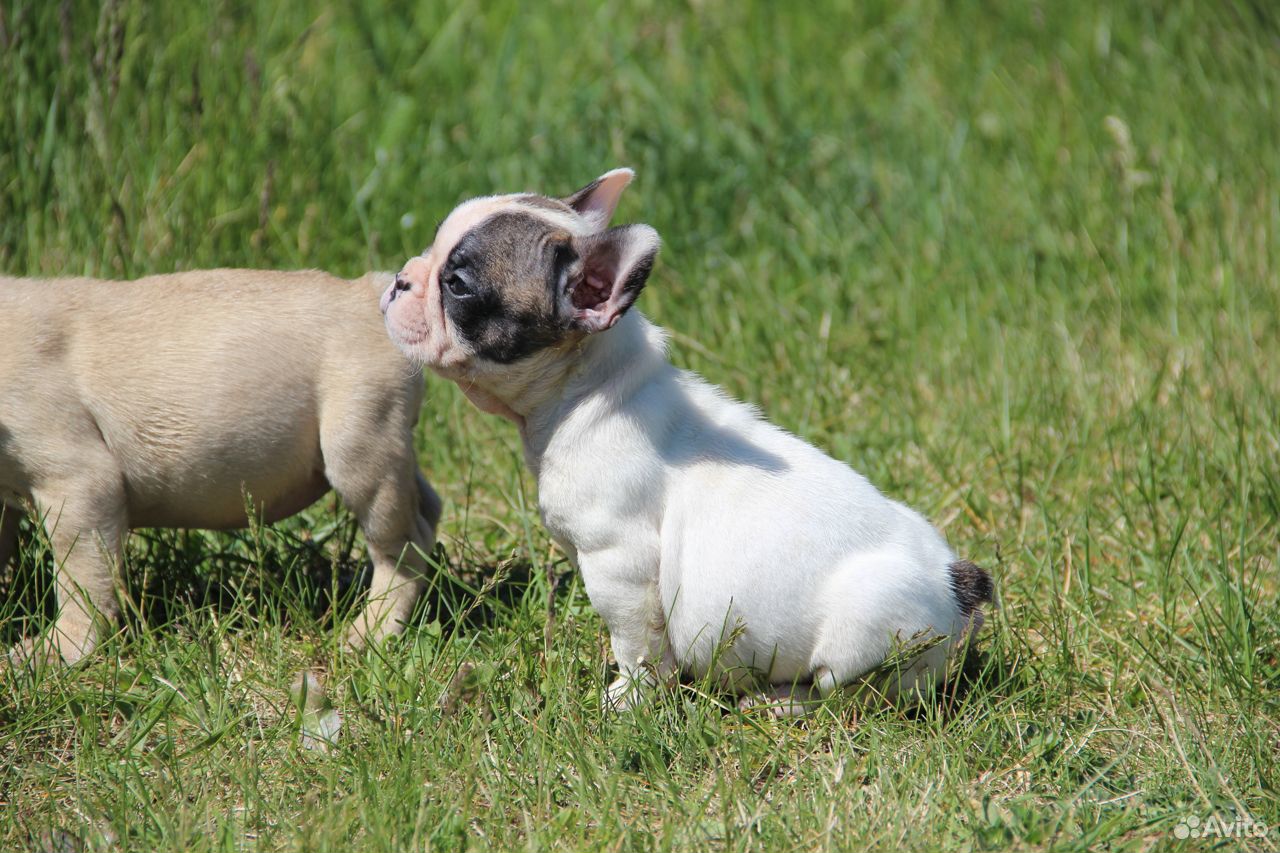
194,399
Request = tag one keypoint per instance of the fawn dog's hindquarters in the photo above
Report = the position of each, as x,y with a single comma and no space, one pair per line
207,400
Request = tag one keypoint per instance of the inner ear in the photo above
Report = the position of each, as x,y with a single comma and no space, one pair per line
592,292
599,273
615,266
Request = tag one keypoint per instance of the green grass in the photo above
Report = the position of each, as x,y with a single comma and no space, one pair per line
1016,262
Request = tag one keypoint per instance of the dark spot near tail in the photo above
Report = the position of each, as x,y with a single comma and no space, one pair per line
971,586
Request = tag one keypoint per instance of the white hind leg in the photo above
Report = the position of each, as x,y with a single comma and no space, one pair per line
909,680
781,701
878,607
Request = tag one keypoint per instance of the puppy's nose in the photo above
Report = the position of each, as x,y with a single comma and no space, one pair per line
398,286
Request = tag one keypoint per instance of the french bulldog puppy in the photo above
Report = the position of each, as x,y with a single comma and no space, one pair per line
710,541
190,400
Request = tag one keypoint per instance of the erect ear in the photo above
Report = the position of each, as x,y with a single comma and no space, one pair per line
597,200
615,265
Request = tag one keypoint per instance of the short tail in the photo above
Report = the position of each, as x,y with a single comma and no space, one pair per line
971,586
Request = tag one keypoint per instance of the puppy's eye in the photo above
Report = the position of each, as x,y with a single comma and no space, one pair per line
458,287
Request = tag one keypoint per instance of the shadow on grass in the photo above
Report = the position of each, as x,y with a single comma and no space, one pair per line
313,577
26,589
980,670
303,577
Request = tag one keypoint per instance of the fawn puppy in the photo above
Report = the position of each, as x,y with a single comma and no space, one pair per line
193,399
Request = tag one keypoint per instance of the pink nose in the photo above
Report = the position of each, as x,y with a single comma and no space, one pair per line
413,276
399,286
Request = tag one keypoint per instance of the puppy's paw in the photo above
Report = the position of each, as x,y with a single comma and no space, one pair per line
780,703
370,628
627,692
356,639
33,652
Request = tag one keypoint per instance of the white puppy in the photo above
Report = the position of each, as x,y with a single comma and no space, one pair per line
175,400
709,540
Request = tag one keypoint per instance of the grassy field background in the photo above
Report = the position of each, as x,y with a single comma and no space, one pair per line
1017,262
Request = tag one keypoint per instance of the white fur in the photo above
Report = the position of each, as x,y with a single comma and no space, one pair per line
710,541
692,519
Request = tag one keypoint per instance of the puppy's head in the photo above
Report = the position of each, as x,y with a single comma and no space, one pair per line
511,276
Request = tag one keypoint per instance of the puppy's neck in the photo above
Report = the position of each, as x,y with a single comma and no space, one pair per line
609,364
